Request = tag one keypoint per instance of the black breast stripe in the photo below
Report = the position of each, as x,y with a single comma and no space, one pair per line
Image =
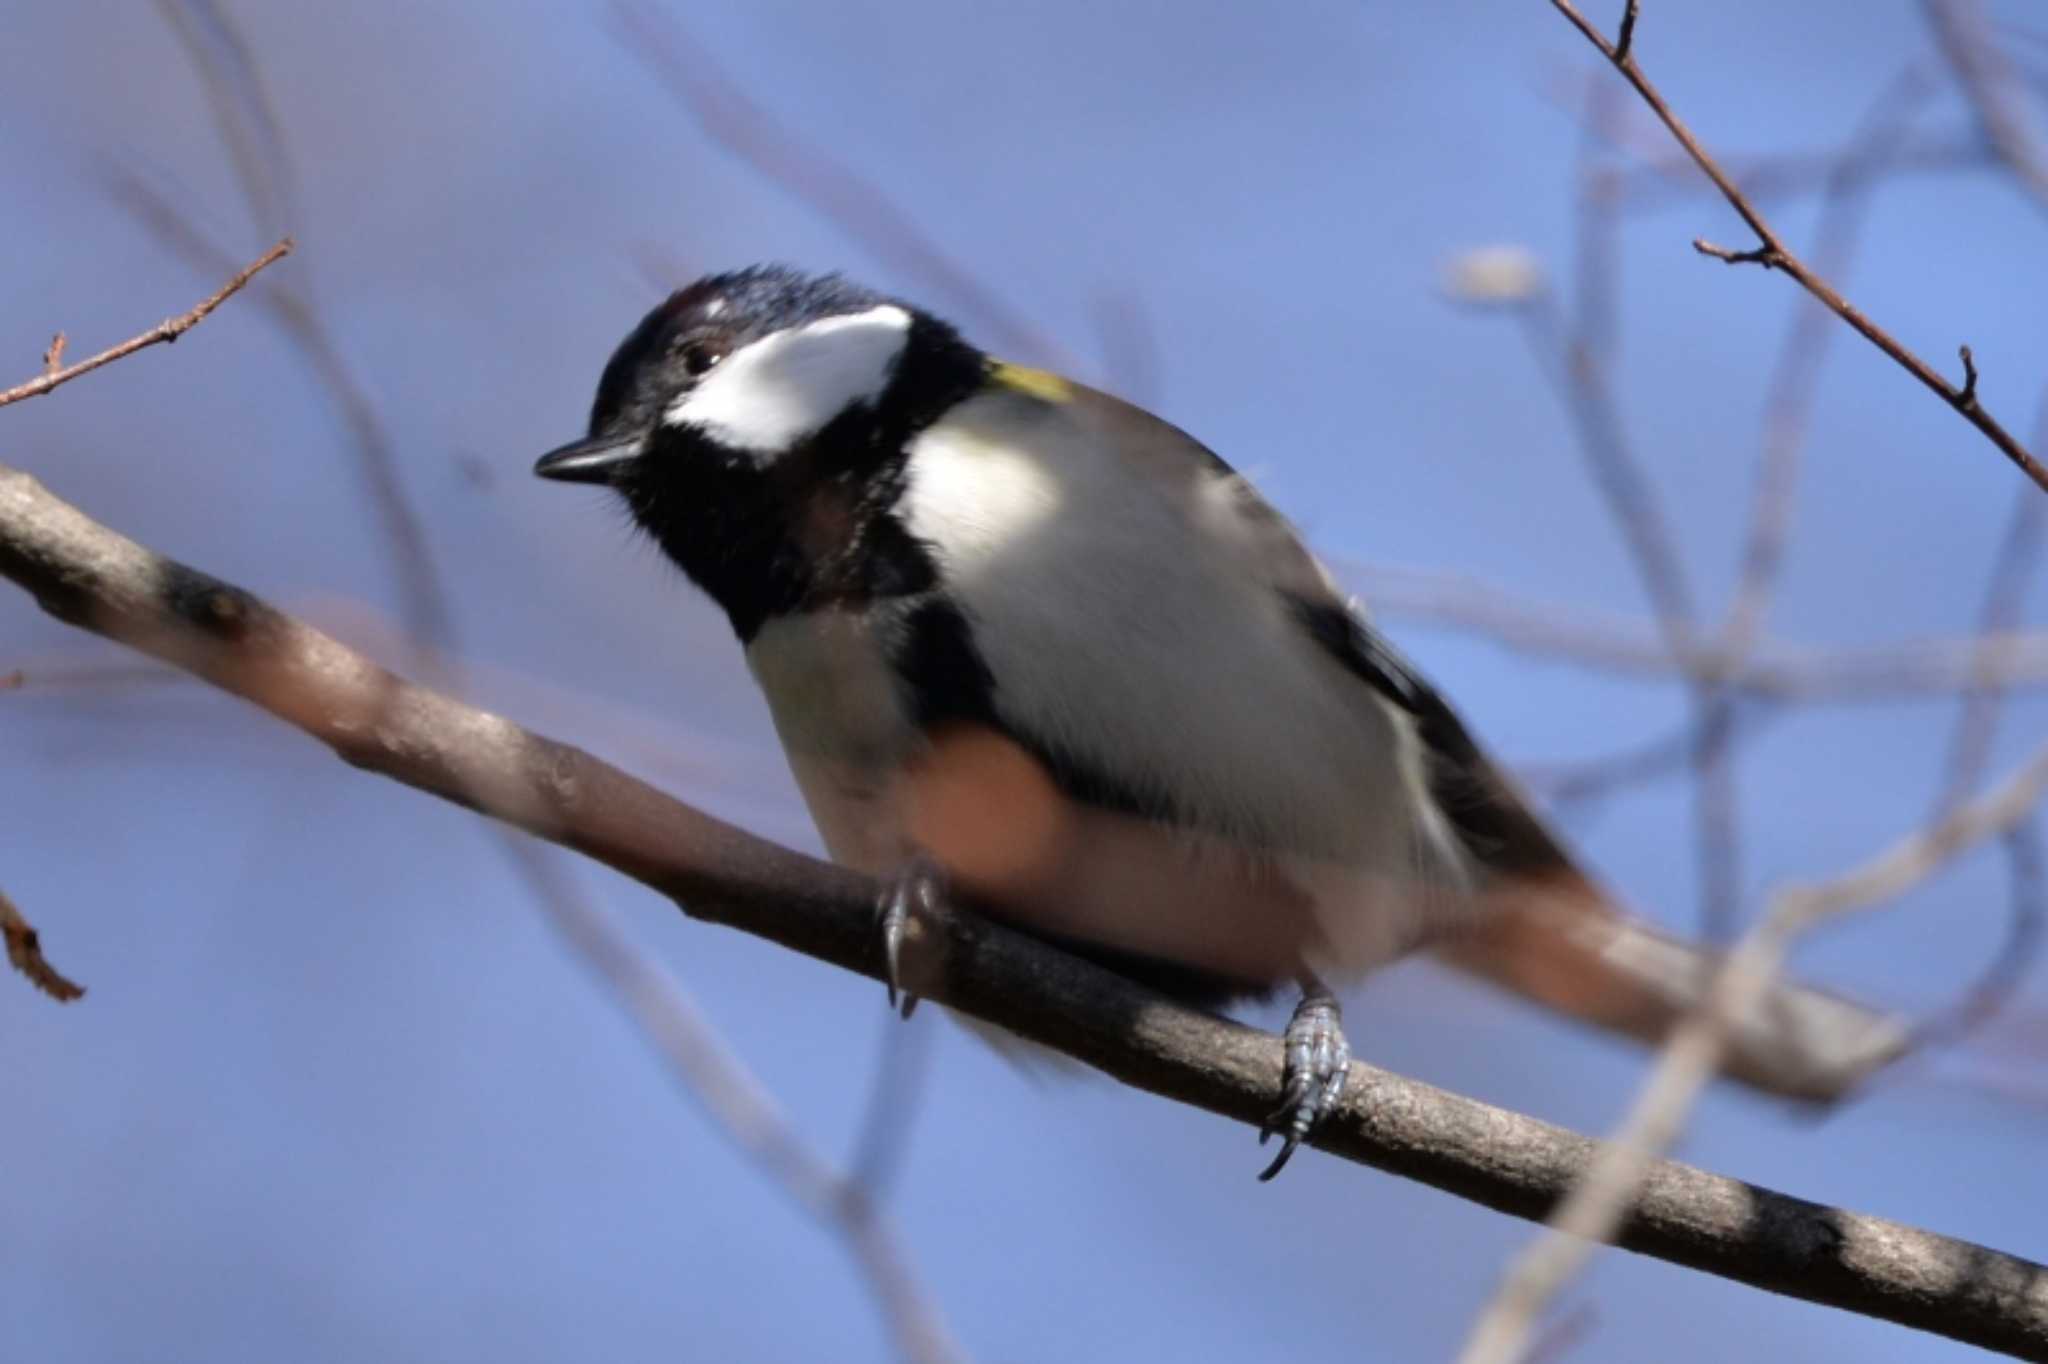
950,683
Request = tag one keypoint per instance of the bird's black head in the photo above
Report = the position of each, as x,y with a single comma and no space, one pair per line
741,401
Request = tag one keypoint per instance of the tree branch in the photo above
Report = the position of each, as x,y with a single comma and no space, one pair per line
25,954
1772,253
90,576
170,329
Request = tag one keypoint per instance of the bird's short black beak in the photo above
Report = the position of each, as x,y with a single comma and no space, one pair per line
599,459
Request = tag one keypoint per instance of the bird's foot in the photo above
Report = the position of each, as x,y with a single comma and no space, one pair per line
1318,1063
920,885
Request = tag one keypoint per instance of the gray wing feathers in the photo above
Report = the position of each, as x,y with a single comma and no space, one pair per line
1534,923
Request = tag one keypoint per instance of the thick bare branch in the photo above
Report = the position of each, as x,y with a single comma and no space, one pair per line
88,575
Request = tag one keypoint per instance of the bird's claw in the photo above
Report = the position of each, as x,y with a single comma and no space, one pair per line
1318,1063
918,886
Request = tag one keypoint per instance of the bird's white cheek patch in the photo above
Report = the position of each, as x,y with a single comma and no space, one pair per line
768,396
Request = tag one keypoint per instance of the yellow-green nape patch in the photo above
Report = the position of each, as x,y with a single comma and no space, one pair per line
1039,383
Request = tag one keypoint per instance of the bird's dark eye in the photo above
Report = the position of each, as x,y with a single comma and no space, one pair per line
699,357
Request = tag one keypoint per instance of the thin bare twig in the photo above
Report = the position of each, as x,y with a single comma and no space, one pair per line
25,954
722,107
1772,252
1599,1201
92,577
170,329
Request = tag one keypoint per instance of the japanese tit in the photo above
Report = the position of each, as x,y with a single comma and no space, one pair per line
1031,644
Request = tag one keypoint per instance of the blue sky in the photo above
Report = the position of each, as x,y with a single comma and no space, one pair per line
338,1094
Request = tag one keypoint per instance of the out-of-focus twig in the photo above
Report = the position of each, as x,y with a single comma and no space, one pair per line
247,121
893,1102
1772,253
25,954
170,329
2012,573
248,125
422,598
722,107
1992,88
1795,378
1986,996
1788,408
1599,1200
1587,781
1774,671
92,577
243,112
1616,471
687,1043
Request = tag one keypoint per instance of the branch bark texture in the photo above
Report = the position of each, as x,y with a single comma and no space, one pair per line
92,577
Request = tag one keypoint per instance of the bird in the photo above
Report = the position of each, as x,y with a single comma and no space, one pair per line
1033,649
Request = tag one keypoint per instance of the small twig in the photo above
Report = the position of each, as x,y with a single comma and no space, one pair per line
1766,256
1967,399
25,952
1557,1340
1626,38
1771,251
53,358
170,329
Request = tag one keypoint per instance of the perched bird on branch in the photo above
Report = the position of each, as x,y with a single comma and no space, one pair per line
1028,645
